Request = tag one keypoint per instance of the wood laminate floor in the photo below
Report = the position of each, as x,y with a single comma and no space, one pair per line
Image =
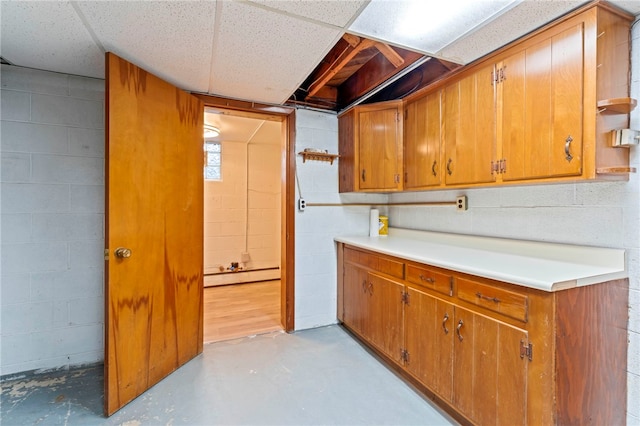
240,310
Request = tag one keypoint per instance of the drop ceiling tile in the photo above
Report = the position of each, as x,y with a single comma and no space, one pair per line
170,39
48,36
425,26
270,133
339,13
516,22
631,6
265,56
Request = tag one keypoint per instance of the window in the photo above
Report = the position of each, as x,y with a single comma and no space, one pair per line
212,161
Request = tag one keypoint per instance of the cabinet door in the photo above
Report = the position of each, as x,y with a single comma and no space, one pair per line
379,149
469,128
385,315
355,298
542,89
489,376
422,142
429,341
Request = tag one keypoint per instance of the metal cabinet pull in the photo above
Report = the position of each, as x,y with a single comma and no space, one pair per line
427,279
364,286
449,166
364,175
370,288
433,168
460,324
567,144
444,322
490,299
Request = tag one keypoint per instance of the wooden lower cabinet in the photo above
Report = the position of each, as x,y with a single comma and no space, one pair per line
374,309
489,352
429,334
467,359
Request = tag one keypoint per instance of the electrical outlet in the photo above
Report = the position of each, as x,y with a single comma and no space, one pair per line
302,204
461,203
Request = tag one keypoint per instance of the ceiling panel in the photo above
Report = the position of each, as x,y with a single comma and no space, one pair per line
264,56
425,26
514,23
339,13
172,39
270,132
233,128
49,36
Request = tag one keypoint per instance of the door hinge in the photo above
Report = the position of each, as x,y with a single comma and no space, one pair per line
502,74
404,298
526,350
404,355
106,254
499,166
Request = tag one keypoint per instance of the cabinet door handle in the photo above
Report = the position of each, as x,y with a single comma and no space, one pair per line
427,279
364,286
460,324
449,166
370,288
364,175
444,322
433,168
567,144
490,299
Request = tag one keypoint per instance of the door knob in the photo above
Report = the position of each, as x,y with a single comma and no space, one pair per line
123,253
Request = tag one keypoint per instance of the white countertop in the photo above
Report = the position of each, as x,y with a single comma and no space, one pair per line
539,265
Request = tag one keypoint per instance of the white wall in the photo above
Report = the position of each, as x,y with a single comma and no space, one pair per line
51,214
597,214
315,301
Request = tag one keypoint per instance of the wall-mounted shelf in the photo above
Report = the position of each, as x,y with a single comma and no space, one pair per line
616,105
318,156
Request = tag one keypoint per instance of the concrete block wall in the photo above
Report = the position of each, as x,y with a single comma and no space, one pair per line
51,219
242,212
315,254
264,203
225,204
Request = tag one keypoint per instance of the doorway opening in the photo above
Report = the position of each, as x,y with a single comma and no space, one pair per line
243,223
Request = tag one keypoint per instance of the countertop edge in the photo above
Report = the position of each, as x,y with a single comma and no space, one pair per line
536,272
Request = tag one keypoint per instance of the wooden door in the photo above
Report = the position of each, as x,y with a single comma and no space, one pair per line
355,298
379,152
429,341
154,204
385,315
542,101
489,375
422,142
469,129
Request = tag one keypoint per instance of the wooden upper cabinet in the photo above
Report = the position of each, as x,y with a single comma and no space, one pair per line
540,109
371,148
469,128
422,141
542,118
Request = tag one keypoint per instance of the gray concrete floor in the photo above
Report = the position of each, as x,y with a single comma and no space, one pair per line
313,377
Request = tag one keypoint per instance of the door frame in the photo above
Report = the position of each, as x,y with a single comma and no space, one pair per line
286,115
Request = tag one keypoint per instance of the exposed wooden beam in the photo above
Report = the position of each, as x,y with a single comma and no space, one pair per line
342,61
351,39
389,53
